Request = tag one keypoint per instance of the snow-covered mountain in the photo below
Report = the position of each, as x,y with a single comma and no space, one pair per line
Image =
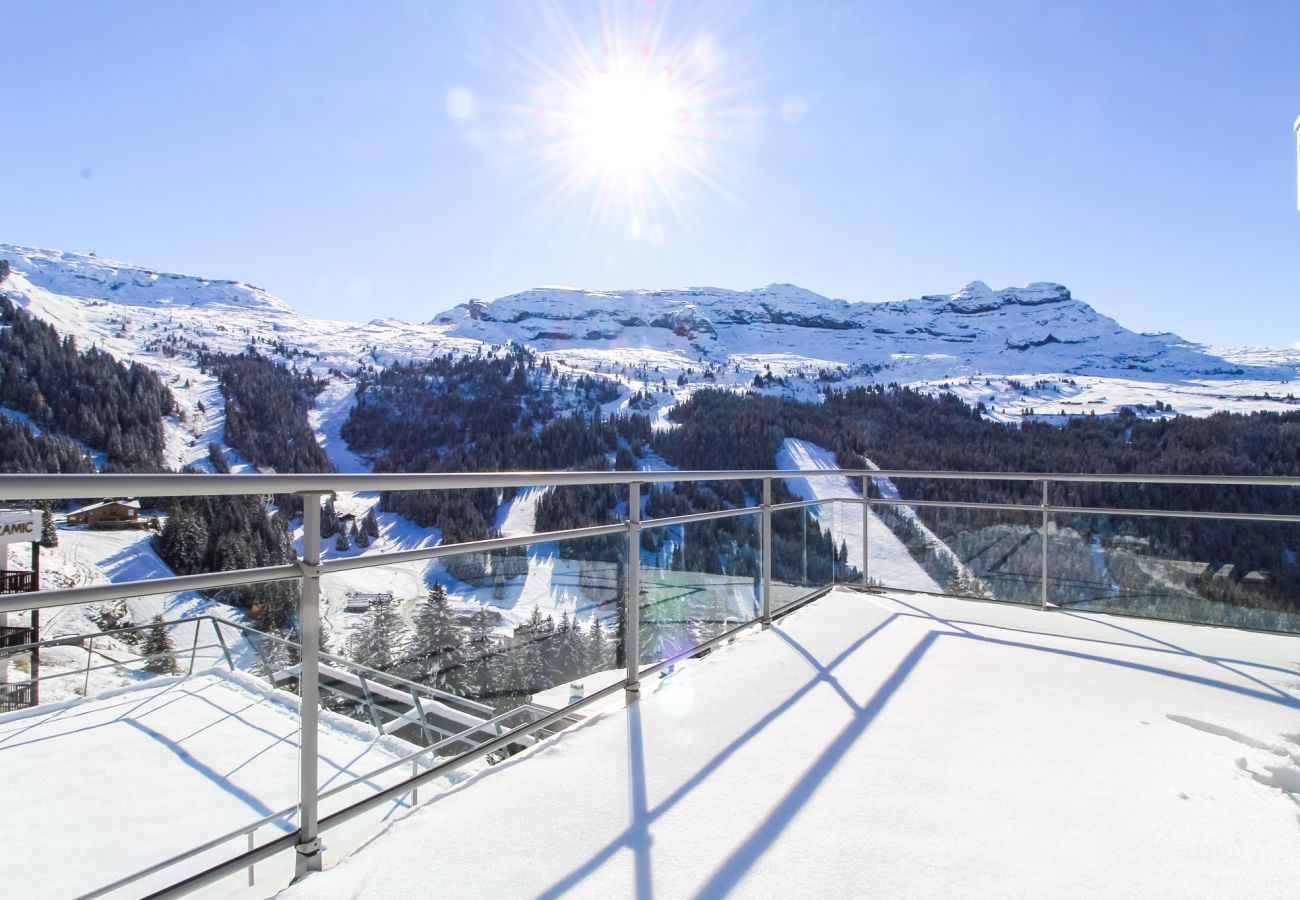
88,277
1037,328
1035,347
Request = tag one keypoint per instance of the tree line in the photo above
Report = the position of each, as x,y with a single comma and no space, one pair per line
266,410
86,395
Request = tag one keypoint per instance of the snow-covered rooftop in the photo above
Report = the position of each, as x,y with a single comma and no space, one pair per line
895,745
129,504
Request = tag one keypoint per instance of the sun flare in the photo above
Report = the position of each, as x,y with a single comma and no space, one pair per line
627,124
632,122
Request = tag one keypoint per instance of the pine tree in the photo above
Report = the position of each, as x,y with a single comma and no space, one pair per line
570,650
360,537
481,649
534,627
380,640
341,543
438,642
532,674
370,525
597,647
159,652
49,534
329,518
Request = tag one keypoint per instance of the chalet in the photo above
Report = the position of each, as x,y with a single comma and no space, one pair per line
107,514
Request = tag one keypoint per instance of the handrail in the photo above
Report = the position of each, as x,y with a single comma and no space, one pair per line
71,487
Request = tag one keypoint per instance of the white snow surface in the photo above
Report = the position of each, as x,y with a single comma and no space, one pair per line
134,776
893,746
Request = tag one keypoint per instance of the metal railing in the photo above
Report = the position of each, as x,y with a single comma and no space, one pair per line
310,568
17,582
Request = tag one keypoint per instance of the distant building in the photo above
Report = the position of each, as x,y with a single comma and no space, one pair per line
359,602
107,514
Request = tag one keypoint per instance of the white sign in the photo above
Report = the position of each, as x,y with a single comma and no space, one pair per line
20,526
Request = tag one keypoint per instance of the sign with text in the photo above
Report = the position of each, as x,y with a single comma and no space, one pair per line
20,525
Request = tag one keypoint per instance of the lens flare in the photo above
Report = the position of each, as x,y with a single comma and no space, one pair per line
625,114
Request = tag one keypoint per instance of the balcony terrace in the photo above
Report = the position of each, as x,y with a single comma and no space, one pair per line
791,706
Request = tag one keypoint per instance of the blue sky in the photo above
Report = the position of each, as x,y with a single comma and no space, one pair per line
376,159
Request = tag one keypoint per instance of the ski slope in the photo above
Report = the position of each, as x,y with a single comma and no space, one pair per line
890,562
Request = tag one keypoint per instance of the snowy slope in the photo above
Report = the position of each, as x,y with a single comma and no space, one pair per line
1035,348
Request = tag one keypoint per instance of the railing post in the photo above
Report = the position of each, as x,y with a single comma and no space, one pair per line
221,639
866,517
371,706
1047,488
90,654
632,593
767,552
308,857
194,648
803,512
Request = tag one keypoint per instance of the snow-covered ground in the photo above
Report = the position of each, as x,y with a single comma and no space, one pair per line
100,788
895,747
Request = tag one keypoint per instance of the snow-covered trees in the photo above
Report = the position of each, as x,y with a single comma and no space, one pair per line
597,653
482,413
329,518
438,640
49,533
370,525
570,656
159,652
22,450
86,395
266,411
212,534
379,640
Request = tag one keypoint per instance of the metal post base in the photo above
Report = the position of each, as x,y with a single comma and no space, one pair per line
308,858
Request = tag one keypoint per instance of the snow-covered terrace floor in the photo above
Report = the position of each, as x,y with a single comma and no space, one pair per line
894,746
96,789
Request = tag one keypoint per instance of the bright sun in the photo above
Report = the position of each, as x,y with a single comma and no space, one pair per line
628,124
614,118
